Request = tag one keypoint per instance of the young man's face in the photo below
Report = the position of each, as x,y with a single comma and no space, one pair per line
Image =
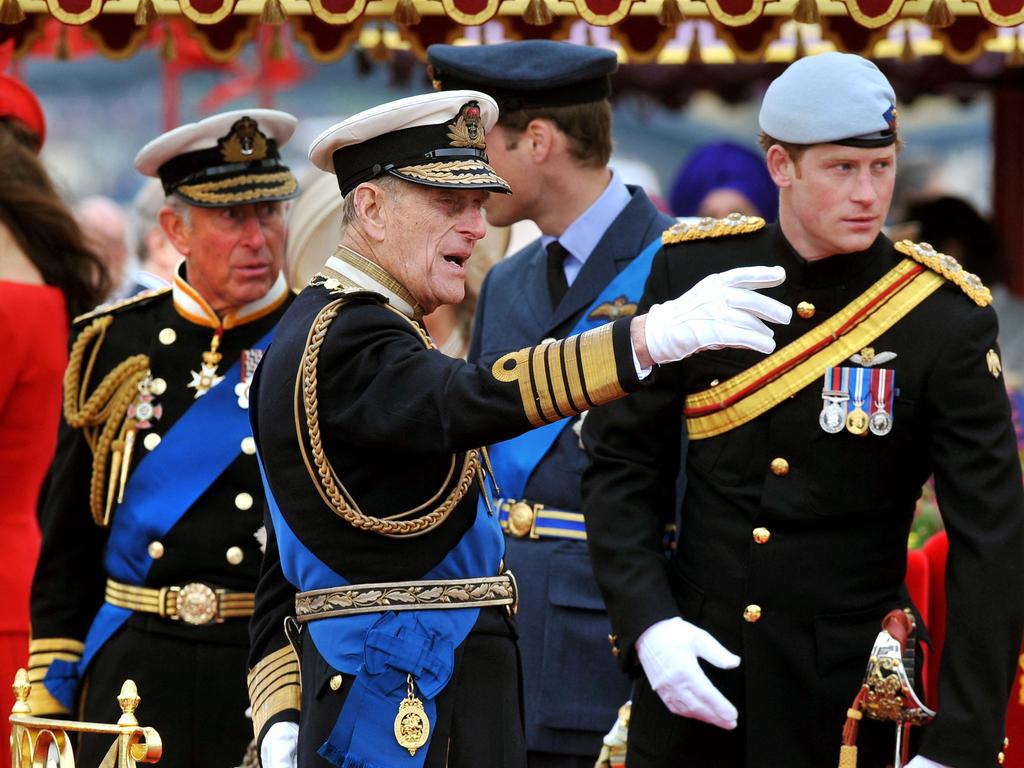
836,198
233,254
431,239
509,155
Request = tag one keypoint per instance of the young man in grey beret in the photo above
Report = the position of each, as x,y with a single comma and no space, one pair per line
804,467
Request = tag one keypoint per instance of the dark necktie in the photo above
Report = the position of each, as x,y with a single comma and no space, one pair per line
558,286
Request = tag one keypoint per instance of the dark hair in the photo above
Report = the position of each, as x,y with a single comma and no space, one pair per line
588,126
42,225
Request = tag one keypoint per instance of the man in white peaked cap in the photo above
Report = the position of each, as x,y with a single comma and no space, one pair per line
150,553
381,571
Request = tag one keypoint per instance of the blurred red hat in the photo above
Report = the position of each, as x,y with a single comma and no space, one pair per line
18,101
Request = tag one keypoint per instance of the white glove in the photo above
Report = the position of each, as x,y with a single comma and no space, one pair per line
279,746
923,762
53,756
668,653
722,310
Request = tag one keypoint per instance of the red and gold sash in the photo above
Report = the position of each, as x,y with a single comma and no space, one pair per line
763,386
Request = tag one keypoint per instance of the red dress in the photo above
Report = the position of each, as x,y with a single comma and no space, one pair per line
34,339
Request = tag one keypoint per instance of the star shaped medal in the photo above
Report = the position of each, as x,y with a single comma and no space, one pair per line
206,377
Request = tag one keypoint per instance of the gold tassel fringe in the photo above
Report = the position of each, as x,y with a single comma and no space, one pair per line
11,13
275,51
694,56
907,54
670,13
800,51
938,15
806,12
62,53
406,13
167,50
145,13
273,13
538,14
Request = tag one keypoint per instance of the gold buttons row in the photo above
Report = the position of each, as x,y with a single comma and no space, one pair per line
752,613
234,555
779,467
805,310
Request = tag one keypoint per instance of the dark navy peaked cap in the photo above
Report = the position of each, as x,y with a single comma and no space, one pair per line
525,74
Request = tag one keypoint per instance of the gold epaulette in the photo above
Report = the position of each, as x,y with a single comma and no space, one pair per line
114,306
41,653
273,686
949,268
733,224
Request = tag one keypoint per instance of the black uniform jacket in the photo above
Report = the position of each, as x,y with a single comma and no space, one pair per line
396,420
837,514
68,588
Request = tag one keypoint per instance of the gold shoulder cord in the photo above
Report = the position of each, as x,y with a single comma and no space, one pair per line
102,416
326,479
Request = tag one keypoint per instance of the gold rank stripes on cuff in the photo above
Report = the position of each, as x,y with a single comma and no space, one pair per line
274,686
563,378
41,653
194,603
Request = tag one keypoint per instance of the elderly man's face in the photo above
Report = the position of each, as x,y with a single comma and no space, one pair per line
838,199
432,239
234,254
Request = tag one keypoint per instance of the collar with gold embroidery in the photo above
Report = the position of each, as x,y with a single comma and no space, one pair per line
370,275
194,308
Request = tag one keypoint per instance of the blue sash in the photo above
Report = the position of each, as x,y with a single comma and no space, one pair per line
381,649
514,460
165,484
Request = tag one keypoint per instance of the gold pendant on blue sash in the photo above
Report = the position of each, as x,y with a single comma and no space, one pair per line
206,377
412,726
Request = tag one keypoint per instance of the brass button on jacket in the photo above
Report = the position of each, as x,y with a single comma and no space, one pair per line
335,682
752,613
761,535
155,549
779,467
805,310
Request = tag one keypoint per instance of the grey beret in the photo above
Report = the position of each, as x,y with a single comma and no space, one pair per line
832,98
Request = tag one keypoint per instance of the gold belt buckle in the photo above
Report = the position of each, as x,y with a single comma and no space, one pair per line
197,604
522,519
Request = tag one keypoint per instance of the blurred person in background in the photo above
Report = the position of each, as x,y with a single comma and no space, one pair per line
723,178
106,229
47,275
153,257
953,226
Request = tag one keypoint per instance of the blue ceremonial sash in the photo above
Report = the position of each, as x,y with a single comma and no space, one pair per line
381,649
514,460
165,484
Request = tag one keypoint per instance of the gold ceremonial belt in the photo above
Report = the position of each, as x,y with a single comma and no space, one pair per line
428,594
523,519
192,603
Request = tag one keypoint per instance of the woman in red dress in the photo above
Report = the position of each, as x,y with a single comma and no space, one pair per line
47,275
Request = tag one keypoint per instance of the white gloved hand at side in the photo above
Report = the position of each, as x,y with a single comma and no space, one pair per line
280,745
53,756
923,762
722,310
668,652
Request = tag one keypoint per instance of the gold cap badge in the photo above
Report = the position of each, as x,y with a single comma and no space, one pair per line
244,143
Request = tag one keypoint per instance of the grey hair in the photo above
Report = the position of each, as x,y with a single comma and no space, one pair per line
391,185
180,207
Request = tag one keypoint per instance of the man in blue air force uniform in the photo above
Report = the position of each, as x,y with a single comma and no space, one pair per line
370,442
552,142
150,553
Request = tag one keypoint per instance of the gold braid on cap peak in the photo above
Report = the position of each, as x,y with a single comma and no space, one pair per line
733,224
103,415
949,268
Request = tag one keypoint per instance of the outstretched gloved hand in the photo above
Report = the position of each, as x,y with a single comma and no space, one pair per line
280,745
722,310
668,653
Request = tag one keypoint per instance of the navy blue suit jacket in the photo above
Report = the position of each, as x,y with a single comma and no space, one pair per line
572,686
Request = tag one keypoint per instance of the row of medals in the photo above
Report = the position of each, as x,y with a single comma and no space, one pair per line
834,418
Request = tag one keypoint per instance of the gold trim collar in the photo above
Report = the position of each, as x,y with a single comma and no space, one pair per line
194,308
370,275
